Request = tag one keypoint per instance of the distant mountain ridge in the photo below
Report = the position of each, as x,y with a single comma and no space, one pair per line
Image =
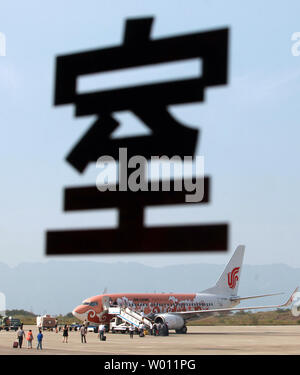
57,287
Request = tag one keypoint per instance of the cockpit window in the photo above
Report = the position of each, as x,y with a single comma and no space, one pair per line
90,303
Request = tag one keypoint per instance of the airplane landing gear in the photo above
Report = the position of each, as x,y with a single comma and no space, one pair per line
182,330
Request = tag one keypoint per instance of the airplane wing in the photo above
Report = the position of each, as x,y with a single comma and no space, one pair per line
250,297
193,314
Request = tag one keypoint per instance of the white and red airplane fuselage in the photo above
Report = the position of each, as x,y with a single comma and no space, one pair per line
173,308
149,304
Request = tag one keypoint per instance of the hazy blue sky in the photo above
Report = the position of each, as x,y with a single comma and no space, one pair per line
249,129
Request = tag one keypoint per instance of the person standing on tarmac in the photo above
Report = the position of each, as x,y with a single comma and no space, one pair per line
65,334
29,339
141,329
39,340
151,329
167,329
159,329
154,328
131,330
101,331
20,336
83,331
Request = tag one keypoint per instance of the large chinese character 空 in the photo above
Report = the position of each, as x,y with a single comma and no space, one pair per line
149,103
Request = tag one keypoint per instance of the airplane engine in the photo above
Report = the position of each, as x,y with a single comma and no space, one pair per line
173,321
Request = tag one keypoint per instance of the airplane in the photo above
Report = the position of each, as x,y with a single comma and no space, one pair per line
176,309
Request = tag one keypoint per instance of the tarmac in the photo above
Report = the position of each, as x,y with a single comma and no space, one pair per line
200,340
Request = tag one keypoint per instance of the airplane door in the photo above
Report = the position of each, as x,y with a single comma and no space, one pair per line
105,302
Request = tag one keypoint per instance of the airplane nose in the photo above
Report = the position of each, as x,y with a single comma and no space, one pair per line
76,314
79,312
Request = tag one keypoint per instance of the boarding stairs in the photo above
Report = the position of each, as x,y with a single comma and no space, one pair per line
129,316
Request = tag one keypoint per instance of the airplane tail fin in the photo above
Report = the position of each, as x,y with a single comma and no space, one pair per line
228,282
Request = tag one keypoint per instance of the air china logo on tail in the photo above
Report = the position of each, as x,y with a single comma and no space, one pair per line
233,277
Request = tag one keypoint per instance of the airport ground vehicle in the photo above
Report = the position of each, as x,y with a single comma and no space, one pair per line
117,325
92,329
46,322
9,323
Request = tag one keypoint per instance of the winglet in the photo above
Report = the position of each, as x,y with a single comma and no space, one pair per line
290,300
